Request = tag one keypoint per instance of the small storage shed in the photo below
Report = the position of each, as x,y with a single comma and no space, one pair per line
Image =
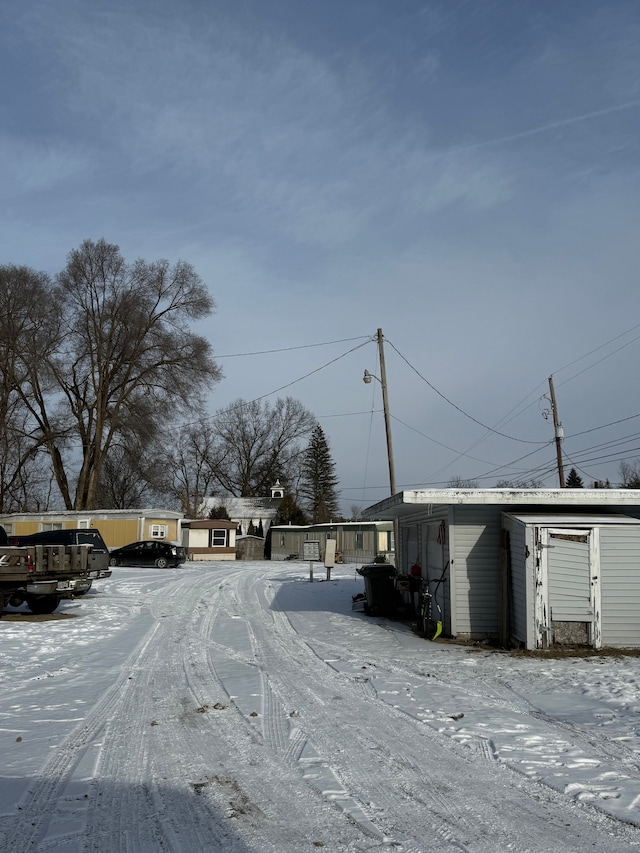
455,540
572,579
249,548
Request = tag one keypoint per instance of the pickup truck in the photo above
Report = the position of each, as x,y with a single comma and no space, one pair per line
33,573
98,560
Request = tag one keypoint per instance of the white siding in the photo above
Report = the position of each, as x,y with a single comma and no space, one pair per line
620,582
569,587
475,563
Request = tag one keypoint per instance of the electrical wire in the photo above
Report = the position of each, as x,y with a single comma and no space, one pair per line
462,412
290,349
282,387
597,349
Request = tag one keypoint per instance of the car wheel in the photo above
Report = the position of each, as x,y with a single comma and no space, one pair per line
161,563
42,603
113,561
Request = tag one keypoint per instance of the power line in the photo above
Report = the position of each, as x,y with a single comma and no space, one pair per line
290,349
462,412
598,348
604,426
439,443
284,387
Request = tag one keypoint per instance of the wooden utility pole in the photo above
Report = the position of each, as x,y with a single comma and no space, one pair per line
559,432
387,420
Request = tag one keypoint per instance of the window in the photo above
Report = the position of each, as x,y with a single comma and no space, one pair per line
83,524
54,525
282,539
218,538
158,531
359,541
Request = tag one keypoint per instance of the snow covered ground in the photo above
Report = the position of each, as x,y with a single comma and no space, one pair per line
239,707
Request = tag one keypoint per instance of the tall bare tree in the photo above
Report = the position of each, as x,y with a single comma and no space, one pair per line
259,443
132,475
193,461
119,357
26,332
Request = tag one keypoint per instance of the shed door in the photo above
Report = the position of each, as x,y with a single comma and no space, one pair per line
571,586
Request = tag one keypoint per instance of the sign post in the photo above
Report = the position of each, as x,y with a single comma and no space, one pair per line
329,556
311,552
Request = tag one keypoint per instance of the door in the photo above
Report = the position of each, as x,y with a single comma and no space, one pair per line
573,586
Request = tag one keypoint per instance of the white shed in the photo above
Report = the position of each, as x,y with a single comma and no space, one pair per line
573,579
455,539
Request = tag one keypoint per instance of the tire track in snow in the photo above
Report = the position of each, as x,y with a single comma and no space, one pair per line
283,652
281,648
41,801
230,639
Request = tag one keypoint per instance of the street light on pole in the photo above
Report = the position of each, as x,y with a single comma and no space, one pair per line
385,405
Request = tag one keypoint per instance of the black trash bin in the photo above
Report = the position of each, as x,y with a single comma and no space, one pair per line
379,588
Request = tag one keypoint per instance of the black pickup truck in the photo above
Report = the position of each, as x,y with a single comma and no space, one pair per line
90,538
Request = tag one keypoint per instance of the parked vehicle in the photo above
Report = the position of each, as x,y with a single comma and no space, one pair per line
98,561
148,553
32,573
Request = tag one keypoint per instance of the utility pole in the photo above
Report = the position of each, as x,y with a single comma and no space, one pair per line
559,432
385,406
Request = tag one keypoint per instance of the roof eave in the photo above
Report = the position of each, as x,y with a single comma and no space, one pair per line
409,501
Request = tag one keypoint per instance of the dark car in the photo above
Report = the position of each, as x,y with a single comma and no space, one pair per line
148,553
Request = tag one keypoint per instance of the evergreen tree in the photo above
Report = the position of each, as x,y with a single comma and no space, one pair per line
260,530
319,482
219,512
289,512
574,480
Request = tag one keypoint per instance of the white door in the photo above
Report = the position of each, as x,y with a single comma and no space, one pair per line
571,573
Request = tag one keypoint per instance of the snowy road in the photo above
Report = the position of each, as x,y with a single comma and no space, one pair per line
238,707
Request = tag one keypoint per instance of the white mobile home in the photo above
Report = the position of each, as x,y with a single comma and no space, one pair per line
475,549
356,541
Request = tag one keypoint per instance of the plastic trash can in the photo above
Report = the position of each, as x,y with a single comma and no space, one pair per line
379,588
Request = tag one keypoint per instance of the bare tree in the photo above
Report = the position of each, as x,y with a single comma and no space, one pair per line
519,484
120,356
260,443
630,475
131,475
461,483
192,466
25,333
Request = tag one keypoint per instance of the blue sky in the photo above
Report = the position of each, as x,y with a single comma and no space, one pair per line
463,175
